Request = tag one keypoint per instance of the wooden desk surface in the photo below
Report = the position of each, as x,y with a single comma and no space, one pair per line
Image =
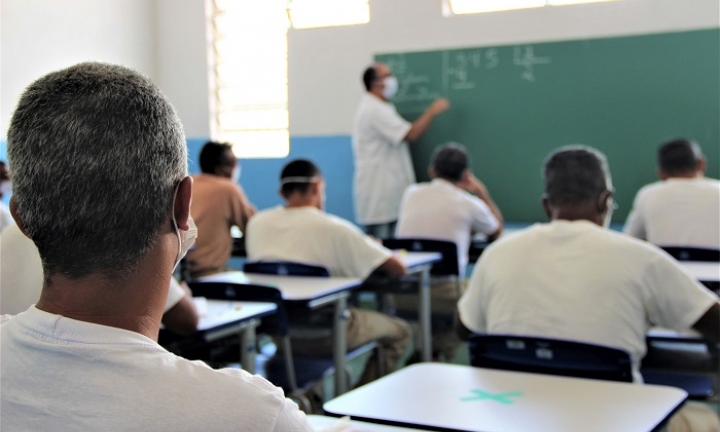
293,288
452,397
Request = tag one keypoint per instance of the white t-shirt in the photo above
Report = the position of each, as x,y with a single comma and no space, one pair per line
6,218
310,236
383,168
442,211
578,281
21,274
63,374
677,212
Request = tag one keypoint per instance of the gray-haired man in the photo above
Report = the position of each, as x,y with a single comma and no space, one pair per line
101,187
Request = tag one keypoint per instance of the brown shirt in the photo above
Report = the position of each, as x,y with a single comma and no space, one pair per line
217,204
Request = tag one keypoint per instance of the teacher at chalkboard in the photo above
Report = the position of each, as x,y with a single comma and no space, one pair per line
380,138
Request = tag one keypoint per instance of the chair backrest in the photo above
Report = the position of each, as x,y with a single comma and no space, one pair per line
682,253
447,266
285,268
276,323
550,357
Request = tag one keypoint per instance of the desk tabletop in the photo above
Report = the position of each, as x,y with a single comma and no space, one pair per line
333,424
218,313
703,271
413,259
293,288
463,398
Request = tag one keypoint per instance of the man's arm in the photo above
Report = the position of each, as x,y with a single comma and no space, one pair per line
180,315
473,185
709,324
421,125
462,332
182,318
635,223
242,209
393,267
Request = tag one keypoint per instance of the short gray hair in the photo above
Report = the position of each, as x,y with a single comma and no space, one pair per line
96,152
575,174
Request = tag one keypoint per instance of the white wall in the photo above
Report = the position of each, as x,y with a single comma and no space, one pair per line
166,39
39,36
325,65
182,62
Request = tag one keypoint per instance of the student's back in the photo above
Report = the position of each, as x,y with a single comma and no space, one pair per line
683,209
63,374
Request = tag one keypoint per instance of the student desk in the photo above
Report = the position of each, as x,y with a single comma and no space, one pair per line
322,423
315,292
436,396
708,273
419,263
225,318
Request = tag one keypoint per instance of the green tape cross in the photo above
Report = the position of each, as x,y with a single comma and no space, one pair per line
503,398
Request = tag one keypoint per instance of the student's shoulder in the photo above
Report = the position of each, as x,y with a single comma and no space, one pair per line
340,225
508,244
228,382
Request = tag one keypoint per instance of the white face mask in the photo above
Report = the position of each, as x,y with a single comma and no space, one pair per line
6,188
186,239
236,174
391,87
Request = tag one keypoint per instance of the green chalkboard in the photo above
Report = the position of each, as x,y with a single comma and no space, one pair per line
511,105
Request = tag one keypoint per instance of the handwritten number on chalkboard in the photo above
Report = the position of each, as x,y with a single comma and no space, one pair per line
525,58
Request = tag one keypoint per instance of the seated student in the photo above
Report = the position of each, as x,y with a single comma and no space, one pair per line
573,279
453,206
219,203
5,188
101,186
683,208
300,231
21,281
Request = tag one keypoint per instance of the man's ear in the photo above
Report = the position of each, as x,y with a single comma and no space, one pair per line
431,172
183,199
15,215
545,202
701,166
662,175
603,201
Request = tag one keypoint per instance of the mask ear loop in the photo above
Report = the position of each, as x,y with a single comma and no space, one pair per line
177,229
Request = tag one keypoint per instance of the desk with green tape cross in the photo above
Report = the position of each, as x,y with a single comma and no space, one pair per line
446,397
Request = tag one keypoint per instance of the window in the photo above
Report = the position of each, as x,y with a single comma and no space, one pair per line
249,91
248,57
325,13
456,7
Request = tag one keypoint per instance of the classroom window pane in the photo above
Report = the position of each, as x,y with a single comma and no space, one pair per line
249,67
260,144
325,13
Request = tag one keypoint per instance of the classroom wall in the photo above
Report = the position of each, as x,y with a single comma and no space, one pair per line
39,36
325,65
167,40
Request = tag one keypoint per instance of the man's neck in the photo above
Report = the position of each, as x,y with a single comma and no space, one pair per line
585,212
377,95
299,202
135,303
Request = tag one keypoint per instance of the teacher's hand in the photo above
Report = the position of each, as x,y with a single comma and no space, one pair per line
440,105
